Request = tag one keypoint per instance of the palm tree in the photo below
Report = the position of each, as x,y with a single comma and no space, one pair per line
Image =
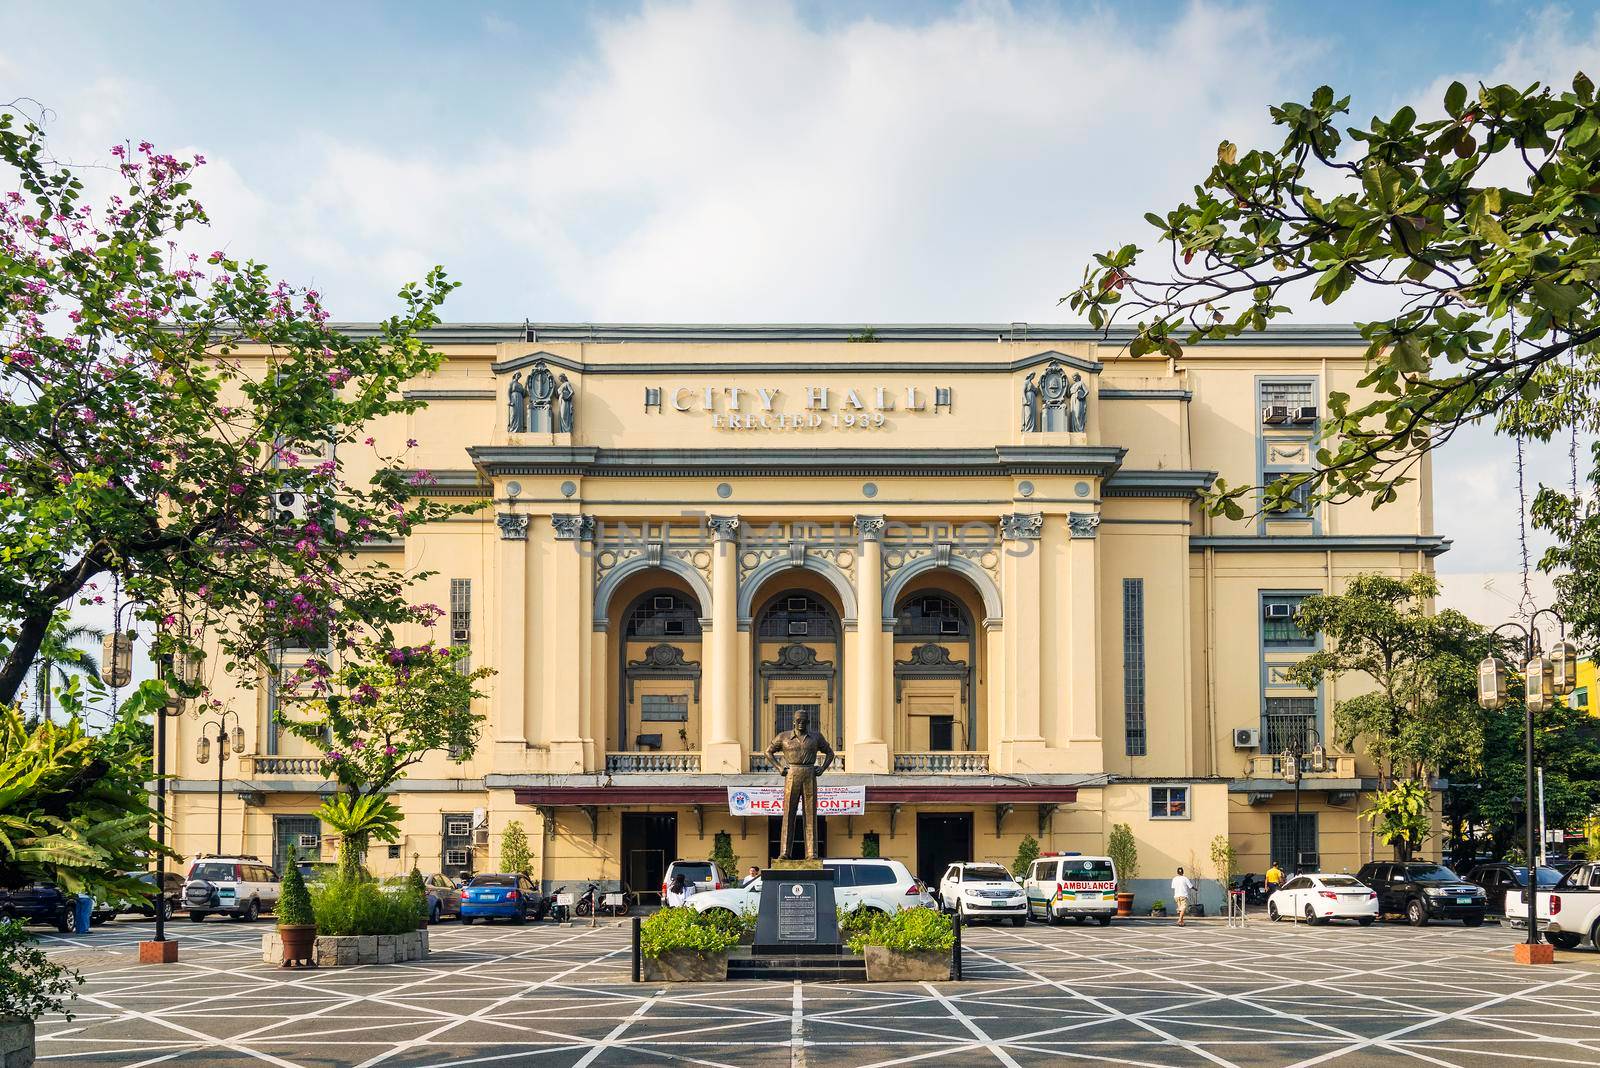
59,655
357,820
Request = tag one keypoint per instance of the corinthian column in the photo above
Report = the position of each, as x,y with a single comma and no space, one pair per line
864,719
720,750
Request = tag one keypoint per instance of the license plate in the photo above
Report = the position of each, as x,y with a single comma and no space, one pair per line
1463,901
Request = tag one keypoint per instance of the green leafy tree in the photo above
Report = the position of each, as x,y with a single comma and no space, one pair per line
1477,218
515,856
1225,859
1573,520
1027,853
1123,850
1422,709
358,819
384,710
1400,816
723,856
139,439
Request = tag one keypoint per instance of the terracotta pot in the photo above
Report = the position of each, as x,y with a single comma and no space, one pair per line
299,945
1124,904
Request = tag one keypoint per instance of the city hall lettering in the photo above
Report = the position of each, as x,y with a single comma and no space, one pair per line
820,407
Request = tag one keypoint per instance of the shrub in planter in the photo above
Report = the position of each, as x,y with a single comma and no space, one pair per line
30,986
297,924
682,945
910,945
415,884
363,908
1158,909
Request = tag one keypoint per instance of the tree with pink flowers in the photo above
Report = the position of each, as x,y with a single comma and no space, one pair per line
178,426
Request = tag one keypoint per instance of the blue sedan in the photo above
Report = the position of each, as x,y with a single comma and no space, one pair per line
510,897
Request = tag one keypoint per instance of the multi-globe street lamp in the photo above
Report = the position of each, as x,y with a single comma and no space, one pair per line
226,739
1546,677
1296,759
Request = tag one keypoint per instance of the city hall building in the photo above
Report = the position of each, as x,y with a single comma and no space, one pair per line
976,556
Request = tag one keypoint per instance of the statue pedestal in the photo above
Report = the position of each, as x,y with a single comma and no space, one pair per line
798,912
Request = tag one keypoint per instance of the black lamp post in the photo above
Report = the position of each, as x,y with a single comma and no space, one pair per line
1295,760
1545,679
225,739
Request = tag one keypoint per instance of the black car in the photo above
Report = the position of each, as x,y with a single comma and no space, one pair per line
1422,891
1499,879
171,897
38,903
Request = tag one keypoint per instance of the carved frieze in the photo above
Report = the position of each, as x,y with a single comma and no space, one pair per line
1022,526
573,527
1083,524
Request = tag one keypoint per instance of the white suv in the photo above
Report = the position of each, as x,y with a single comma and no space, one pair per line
880,885
241,886
1069,884
982,891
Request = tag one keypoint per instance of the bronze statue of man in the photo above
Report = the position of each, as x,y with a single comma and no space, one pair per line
795,754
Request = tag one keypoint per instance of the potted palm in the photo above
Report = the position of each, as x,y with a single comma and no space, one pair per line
297,925
1124,854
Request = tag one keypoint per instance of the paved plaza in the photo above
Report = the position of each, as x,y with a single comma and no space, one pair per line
1141,992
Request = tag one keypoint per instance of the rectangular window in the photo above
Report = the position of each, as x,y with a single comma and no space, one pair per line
272,715
664,706
1278,630
1133,666
1288,723
1169,802
1301,495
784,715
1286,845
941,733
1286,394
461,618
1580,697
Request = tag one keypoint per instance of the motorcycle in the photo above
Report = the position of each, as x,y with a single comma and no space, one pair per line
542,907
558,912
1255,892
586,904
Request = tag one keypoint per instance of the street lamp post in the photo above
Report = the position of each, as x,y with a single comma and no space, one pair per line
1545,679
225,739
1294,763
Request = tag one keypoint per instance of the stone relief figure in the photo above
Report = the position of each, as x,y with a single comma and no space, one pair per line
1053,391
542,391
564,407
1078,417
517,405
1030,404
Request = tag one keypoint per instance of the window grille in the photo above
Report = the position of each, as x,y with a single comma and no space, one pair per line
1290,394
1278,629
1134,743
1288,723
664,706
461,618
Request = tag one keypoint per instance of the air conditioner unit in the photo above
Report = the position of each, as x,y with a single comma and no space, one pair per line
1247,738
310,841
1275,414
795,604
1279,610
461,635
1306,413
289,506
799,628
949,626
480,837
663,604
457,858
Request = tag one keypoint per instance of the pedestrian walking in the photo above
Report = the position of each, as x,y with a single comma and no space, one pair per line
1274,877
1182,891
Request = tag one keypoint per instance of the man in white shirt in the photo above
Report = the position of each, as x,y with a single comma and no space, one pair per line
1182,891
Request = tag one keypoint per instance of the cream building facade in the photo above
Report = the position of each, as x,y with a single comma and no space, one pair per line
974,554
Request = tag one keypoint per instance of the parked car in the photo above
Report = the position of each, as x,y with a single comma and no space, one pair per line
316,871
170,899
703,873
1059,885
885,886
1568,912
1320,897
1498,880
444,897
982,891
510,897
1422,891
38,903
240,886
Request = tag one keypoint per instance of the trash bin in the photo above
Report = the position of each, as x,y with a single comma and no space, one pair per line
83,913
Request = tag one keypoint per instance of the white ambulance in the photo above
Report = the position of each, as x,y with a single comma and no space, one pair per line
1071,884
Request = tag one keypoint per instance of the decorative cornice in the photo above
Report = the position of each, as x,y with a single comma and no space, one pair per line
448,394
1008,460
1277,334
573,527
513,526
869,527
1161,483
1429,545
1022,526
449,483
1117,393
1083,524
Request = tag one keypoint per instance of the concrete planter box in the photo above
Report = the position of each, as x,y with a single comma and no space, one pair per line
16,1042
684,966
343,951
886,965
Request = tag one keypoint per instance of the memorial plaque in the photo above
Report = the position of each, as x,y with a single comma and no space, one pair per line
797,913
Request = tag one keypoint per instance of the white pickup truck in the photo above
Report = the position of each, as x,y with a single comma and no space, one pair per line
1569,912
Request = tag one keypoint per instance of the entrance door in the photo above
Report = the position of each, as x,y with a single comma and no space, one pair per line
943,839
649,844
797,837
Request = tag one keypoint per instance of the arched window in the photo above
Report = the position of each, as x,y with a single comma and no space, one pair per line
797,616
663,614
932,615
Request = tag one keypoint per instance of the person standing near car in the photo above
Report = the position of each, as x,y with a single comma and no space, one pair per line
1182,891
1274,878
679,890
751,876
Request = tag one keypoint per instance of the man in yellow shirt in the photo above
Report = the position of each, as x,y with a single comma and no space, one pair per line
1274,877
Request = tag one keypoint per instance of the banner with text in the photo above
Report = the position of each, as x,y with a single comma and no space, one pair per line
768,800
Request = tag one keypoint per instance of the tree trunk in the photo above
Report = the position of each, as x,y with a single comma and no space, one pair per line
14,672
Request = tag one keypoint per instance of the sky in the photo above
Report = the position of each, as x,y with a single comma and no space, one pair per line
709,160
